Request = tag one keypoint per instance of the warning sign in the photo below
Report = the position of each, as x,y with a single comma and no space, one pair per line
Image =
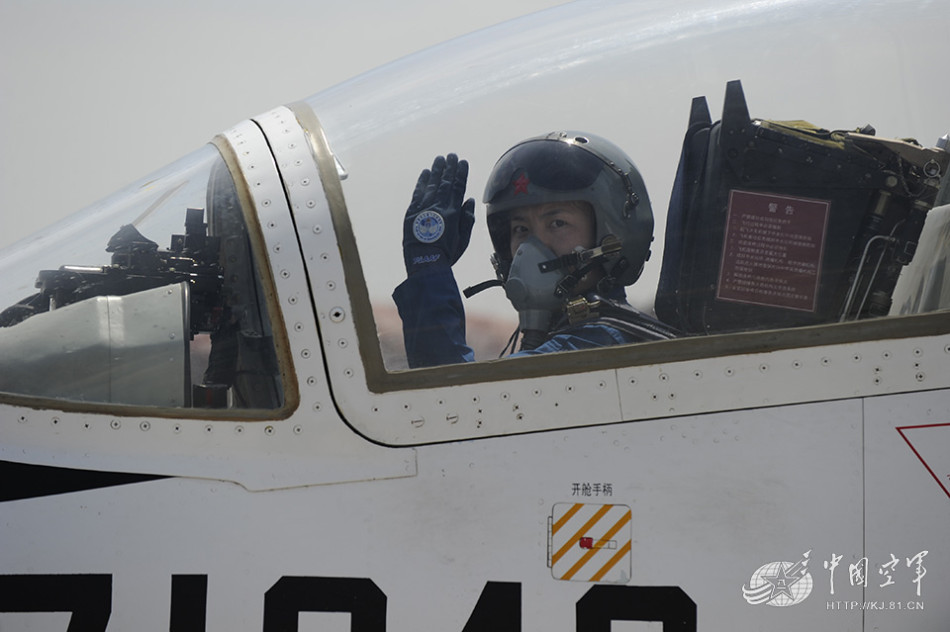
931,444
772,250
590,543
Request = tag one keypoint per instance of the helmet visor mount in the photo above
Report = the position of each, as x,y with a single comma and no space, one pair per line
555,167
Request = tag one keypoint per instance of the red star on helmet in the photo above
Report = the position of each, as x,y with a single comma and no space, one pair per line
521,184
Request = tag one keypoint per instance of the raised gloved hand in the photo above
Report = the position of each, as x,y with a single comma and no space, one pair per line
438,223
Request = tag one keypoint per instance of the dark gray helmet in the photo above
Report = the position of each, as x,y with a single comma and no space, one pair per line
569,166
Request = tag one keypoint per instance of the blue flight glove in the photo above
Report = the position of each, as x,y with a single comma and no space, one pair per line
438,223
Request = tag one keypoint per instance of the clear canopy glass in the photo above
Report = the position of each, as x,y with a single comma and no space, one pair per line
629,72
730,252
150,298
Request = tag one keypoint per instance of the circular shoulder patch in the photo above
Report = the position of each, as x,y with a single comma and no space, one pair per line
428,227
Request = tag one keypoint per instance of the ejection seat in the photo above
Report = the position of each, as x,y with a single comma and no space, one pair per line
783,224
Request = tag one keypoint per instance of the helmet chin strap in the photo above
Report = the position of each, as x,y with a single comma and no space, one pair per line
501,273
472,290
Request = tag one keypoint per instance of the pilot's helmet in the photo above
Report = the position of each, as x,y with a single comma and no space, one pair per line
574,166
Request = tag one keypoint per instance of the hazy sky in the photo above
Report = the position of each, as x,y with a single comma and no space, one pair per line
95,95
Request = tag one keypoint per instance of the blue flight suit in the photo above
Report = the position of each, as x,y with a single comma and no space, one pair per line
433,324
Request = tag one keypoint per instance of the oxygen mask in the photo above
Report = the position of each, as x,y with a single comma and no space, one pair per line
531,291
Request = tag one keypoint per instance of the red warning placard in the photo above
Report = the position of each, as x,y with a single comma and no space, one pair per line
772,250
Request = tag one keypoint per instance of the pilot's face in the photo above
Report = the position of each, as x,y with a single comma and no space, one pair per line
561,226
